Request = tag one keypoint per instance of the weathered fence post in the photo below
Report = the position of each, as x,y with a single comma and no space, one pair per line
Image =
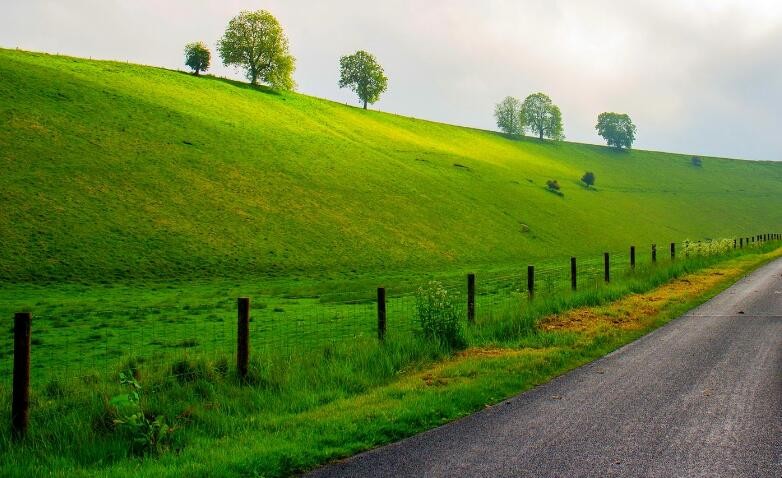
381,313
573,280
734,244
20,401
632,257
606,267
531,280
243,337
741,243
654,252
471,298
673,250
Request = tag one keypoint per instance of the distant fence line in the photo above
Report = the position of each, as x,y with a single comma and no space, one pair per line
324,323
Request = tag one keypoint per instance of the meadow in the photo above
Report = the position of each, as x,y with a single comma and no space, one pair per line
119,173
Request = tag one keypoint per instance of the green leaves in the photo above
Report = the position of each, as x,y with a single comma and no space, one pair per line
363,74
255,41
541,116
508,115
197,57
617,129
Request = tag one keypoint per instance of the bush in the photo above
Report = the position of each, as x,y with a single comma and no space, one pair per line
588,178
553,184
697,161
440,318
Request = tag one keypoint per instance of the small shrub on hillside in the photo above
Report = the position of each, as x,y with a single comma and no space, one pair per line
697,161
553,184
439,316
588,179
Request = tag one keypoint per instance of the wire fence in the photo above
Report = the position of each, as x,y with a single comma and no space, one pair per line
93,344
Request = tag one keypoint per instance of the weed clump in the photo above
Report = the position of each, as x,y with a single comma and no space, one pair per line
441,320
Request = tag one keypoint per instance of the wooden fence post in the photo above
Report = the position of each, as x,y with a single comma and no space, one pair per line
471,298
606,267
243,337
654,252
381,313
734,244
673,250
741,243
20,401
573,279
632,257
531,280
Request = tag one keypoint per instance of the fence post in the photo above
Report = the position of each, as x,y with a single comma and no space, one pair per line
243,337
606,267
741,243
632,257
573,280
673,250
381,313
471,298
654,252
734,244
531,280
20,402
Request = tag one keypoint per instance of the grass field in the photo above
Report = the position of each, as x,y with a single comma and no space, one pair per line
116,172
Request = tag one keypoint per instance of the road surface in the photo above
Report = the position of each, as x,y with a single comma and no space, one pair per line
699,397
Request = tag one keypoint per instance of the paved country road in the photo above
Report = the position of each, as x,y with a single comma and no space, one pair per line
701,396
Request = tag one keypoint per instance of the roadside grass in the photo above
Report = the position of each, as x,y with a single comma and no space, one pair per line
314,404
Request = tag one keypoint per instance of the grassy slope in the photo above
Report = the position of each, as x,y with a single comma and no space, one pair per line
98,183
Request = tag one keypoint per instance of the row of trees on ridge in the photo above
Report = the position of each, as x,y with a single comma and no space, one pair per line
256,43
538,115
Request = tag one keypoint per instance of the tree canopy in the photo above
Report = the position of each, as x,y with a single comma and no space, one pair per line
255,41
588,178
617,129
541,116
363,74
197,57
508,115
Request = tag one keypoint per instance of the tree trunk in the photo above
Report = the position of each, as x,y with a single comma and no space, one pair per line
365,105
196,72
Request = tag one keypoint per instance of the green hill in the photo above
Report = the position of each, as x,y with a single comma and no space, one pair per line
117,171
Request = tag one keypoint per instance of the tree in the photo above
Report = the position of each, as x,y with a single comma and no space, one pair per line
197,57
363,74
553,184
617,129
508,114
697,161
255,41
541,116
588,178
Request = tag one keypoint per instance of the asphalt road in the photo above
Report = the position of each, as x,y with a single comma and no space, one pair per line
701,396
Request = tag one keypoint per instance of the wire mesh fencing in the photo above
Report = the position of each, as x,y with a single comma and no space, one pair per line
89,345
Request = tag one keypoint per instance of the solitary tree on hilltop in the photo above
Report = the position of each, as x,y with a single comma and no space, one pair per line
197,57
617,129
541,116
255,41
508,114
363,74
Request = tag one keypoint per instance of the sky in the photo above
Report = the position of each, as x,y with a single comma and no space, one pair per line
699,77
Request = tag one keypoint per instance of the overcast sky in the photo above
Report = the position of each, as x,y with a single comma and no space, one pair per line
696,76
